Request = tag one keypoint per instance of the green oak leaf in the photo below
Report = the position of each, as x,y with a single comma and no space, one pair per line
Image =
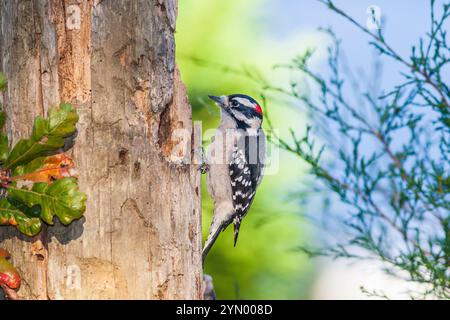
25,219
47,137
61,198
30,167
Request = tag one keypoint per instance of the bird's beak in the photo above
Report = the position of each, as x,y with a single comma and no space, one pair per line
221,101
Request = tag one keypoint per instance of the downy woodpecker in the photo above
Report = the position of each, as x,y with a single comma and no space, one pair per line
235,163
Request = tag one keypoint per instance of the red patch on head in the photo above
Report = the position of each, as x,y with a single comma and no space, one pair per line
258,109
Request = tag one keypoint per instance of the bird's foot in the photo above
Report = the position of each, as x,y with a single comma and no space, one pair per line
204,168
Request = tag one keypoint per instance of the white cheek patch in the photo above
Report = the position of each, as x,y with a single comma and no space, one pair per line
241,117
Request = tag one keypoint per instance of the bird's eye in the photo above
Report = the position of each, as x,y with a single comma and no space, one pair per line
234,103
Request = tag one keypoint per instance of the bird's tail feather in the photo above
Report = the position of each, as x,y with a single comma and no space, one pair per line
212,237
237,225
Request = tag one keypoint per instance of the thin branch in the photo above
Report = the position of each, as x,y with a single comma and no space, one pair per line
378,38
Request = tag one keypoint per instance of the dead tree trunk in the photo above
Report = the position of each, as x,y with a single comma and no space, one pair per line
114,60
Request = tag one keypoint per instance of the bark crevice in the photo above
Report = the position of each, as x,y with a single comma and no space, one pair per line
141,235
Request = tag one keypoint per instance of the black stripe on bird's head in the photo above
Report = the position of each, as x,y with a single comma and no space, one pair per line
245,110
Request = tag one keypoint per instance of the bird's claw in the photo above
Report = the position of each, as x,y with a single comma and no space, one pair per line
204,168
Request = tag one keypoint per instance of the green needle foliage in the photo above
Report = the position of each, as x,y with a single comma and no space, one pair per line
384,155
36,180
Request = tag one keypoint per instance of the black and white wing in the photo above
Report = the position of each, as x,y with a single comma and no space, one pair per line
246,171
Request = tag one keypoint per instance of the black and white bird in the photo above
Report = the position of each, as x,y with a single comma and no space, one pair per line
235,163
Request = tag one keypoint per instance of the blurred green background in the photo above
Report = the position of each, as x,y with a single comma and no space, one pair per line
211,36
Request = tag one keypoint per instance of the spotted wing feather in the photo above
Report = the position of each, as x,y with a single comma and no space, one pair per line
245,174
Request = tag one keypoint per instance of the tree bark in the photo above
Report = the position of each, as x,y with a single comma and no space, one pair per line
114,60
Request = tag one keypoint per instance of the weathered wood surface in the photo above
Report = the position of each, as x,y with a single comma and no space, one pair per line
115,61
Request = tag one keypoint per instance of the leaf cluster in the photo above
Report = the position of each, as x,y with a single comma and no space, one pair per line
38,181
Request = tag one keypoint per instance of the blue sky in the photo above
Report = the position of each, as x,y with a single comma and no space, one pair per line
405,22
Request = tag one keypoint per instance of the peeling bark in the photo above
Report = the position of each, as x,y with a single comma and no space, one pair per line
115,61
